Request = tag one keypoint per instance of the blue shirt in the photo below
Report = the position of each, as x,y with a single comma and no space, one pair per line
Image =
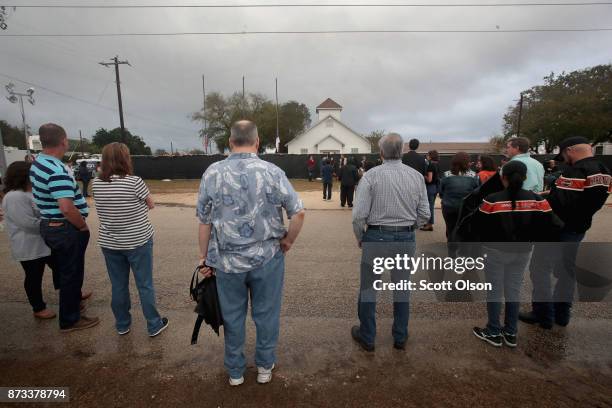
535,172
243,197
327,172
52,181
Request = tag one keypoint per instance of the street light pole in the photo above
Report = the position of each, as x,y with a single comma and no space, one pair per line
15,97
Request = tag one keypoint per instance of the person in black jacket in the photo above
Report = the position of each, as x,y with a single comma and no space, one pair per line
507,224
348,177
327,177
85,177
577,194
415,160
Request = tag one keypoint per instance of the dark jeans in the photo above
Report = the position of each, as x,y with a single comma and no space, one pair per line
68,246
432,192
310,174
450,215
34,270
327,190
346,195
85,187
559,261
366,306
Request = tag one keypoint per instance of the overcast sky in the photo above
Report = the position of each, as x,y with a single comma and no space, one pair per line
438,87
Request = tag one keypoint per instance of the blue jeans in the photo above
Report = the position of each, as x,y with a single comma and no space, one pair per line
265,287
504,271
366,305
432,192
118,264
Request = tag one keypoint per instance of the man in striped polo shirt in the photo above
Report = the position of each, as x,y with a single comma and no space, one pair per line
63,227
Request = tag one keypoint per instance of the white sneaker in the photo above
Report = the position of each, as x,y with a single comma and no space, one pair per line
234,382
264,376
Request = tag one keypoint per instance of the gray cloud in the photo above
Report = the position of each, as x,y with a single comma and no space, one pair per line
436,87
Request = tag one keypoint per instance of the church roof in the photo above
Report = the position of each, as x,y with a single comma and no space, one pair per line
320,123
329,104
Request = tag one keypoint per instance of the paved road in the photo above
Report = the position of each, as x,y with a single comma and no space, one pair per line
318,365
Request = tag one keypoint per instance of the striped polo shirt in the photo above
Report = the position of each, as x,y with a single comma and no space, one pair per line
123,212
51,181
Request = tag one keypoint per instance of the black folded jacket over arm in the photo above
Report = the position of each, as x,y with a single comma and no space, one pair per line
204,292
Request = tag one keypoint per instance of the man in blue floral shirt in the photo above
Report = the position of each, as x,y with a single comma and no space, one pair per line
243,239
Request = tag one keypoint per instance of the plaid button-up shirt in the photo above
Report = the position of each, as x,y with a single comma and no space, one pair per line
390,194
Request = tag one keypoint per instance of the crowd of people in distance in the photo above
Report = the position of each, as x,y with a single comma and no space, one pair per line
243,237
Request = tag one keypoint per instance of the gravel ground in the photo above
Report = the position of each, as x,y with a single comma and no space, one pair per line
318,364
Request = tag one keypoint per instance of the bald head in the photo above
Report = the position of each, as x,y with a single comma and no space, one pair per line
391,146
577,152
243,133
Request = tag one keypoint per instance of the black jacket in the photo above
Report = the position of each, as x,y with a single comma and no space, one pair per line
532,220
348,175
204,292
580,191
416,161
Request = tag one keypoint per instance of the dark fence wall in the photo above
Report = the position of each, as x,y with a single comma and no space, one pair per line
294,165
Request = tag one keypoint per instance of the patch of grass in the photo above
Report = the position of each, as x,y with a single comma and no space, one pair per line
192,186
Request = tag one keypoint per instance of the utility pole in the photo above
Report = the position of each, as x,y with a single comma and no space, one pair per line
2,158
205,124
116,63
243,95
277,141
81,143
520,115
171,149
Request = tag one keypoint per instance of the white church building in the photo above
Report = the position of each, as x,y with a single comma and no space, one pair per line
329,135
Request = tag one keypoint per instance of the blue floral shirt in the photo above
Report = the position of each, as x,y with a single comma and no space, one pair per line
243,197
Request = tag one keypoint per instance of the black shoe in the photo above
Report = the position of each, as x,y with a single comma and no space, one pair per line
357,337
528,317
161,329
399,346
532,318
509,339
562,313
486,335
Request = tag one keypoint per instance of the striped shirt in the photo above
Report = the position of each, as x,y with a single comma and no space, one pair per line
123,212
51,181
392,194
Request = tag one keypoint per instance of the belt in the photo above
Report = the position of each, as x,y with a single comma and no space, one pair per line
392,228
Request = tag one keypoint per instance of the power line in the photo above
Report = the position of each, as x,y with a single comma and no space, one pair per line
304,5
317,32
108,108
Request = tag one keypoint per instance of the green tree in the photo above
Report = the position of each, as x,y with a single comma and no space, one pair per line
160,152
575,103
135,143
498,143
88,146
221,112
12,135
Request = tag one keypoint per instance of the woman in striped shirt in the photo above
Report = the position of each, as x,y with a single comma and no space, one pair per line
126,236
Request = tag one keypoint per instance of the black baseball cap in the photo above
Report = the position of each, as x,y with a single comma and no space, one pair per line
570,141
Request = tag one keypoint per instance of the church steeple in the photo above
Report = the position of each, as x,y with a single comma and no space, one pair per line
329,107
